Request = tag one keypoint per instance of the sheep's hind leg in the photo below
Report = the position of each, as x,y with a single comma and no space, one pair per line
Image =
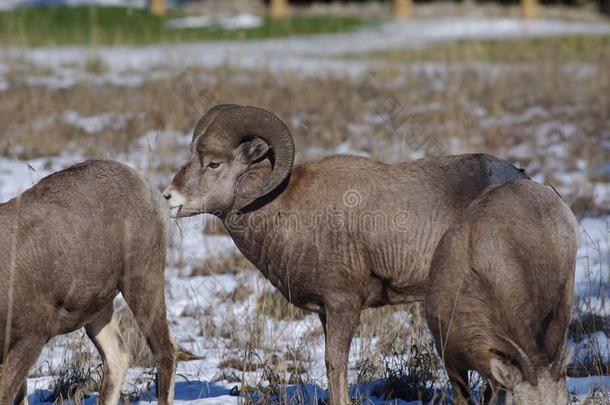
106,336
339,326
17,363
146,299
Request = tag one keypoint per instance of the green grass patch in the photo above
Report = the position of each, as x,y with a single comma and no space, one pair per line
531,50
93,25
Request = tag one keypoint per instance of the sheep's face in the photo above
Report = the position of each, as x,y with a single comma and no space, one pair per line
214,177
547,391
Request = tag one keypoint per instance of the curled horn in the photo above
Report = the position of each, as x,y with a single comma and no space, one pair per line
209,117
525,365
240,123
559,363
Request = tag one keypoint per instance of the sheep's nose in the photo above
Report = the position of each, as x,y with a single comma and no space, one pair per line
167,195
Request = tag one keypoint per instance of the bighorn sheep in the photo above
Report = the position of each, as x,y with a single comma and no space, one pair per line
500,294
335,235
68,246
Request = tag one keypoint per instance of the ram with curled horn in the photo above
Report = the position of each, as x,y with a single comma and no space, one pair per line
500,295
241,169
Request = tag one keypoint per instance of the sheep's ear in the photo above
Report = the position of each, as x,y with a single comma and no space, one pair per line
506,374
252,150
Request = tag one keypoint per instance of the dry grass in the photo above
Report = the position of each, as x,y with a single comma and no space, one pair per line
275,373
591,323
239,294
587,324
77,378
411,377
523,50
599,396
494,108
273,304
463,107
141,355
591,357
239,364
229,263
394,345
74,384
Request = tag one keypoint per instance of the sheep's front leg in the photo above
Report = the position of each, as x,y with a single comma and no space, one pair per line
339,326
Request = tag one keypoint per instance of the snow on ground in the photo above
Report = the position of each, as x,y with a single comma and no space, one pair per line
593,260
66,77
199,381
97,123
231,22
186,392
202,382
580,386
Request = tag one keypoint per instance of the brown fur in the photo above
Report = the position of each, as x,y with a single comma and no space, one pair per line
505,270
68,246
314,238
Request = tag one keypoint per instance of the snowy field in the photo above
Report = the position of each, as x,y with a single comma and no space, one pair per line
219,307
309,55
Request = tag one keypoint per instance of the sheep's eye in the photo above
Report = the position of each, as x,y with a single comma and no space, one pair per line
213,165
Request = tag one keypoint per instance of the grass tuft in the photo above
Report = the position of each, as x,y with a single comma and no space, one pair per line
409,377
587,324
135,341
273,304
75,381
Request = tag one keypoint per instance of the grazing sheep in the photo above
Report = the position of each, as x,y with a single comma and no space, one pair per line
500,294
68,246
335,235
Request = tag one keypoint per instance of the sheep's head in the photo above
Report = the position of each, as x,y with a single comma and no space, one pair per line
230,146
526,384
